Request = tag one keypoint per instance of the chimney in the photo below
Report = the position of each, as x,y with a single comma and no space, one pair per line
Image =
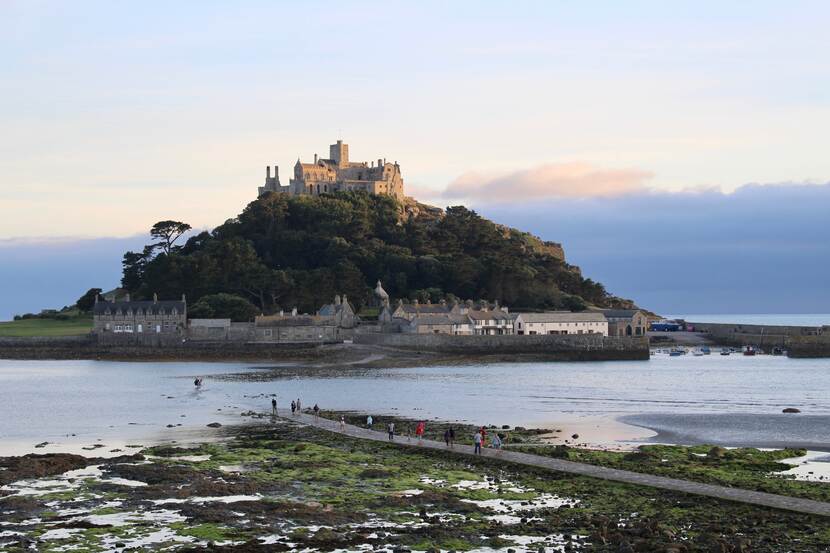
379,162
155,298
184,299
277,173
315,159
96,297
267,172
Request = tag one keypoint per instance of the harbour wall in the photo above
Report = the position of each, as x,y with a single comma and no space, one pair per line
584,347
173,346
799,341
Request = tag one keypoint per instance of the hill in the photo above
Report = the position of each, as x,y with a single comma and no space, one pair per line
284,251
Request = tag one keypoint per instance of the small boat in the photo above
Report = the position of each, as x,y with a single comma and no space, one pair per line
677,352
706,350
749,350
697,353
725,352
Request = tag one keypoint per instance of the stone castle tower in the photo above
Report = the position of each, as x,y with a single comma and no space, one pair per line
338,174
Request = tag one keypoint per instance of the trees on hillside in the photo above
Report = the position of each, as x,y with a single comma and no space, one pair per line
285,251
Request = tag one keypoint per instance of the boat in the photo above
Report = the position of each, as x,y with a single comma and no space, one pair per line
677,352
749,350
697,353
725,352
706,350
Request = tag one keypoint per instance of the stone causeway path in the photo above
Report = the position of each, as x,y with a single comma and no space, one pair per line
561,465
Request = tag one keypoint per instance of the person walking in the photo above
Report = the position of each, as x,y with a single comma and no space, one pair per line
293,407
477,442
451,431
273,406
496,442
342,423
419,430
447,437
316,410
369,422
299,409
483,435
390,429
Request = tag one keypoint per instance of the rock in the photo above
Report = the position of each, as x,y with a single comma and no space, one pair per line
214,425
791,410
575,436
717,452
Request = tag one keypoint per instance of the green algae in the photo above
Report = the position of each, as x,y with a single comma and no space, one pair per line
343,483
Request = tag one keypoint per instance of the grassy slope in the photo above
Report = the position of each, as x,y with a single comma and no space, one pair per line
46,327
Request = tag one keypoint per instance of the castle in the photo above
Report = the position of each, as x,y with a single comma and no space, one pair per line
337,174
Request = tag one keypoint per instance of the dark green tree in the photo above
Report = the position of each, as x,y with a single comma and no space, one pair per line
85,302
223,306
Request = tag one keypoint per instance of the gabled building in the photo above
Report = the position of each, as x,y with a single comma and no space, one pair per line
447,323
626,322
139,317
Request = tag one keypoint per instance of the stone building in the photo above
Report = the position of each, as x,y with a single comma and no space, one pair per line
492,321
626,322
561,322
336,174
333,322
139,317
448,323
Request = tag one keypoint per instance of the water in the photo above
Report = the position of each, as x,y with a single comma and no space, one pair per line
797,319
733,400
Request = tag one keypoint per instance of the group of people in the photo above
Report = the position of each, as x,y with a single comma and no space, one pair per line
479,438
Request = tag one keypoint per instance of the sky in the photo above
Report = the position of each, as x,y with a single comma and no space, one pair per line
595,124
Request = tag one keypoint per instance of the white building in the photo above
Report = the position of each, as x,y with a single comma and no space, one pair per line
561,322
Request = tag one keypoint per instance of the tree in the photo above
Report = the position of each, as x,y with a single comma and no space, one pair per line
167,232
85,302
223,306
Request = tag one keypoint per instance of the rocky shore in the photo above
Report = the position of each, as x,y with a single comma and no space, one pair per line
275,485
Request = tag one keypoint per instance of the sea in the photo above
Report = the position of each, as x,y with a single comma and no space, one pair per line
728,400
758,319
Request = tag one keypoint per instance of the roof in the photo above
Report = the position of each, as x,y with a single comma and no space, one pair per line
562,317
425,308
498,315
154,307
440,320
619,313
299,320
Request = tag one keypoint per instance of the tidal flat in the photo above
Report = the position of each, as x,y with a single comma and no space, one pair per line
276,485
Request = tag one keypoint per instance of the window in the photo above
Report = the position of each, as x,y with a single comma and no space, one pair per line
128,328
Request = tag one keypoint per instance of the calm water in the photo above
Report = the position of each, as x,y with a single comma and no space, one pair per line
732,400
763,319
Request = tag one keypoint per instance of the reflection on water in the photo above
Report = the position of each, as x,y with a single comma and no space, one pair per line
44,400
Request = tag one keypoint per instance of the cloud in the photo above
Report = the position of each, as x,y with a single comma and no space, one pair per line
759,249
552,180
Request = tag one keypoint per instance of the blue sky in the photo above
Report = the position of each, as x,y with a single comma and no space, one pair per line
117,115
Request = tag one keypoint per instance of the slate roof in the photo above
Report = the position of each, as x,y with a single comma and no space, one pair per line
619,313
440,320
480,315
153,307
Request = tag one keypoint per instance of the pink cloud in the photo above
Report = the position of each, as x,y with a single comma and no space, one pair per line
553,180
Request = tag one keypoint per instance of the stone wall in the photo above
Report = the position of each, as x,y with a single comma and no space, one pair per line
584,347
799,341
